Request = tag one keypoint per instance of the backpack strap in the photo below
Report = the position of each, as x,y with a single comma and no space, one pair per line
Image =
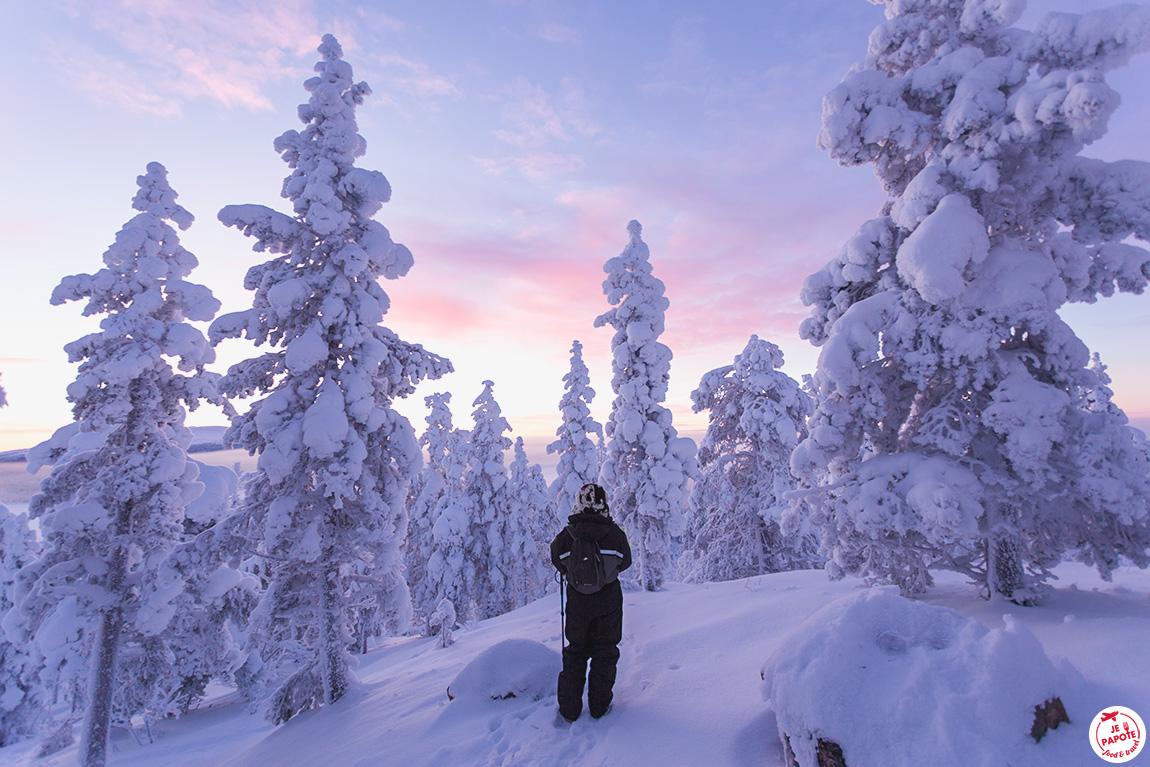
567,554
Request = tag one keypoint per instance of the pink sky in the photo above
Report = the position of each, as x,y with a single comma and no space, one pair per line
519,139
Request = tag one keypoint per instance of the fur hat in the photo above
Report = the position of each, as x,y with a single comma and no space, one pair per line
592,499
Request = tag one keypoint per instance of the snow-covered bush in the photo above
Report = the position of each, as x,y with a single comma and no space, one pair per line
958,425
578,455
735,524
114,507
326,502
648,464
900,683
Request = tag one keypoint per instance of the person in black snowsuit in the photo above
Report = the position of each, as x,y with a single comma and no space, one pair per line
594,621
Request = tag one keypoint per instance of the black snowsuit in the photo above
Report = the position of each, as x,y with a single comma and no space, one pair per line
594,621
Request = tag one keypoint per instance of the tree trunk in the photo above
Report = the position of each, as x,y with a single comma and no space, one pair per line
98,720
1009,575
334,661
1005,573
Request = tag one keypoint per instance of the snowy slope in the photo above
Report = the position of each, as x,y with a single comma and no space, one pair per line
688,691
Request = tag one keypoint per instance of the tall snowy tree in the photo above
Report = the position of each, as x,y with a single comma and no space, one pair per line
19,697
113,507
487,498
532,526
647,464
757,416
954,421
328,492
438,485
578,455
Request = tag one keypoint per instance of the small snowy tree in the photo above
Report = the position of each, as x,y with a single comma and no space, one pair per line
530,530
952,421
487,498
647,464
114,505
3,397
441,622
19,697
328,492
578,455
757,417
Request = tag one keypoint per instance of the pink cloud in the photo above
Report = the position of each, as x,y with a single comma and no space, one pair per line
535,166
169,51
416,77
543,128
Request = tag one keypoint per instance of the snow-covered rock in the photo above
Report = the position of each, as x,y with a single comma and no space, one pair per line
513,668
898,682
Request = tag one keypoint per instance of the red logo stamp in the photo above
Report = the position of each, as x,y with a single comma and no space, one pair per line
1117,734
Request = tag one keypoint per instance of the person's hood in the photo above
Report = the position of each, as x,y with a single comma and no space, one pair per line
590,524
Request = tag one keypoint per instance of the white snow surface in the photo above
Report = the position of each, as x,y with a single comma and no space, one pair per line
688,692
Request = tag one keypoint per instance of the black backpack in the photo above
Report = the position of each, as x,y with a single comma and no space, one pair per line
585,569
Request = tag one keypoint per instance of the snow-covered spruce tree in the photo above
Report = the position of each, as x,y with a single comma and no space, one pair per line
439,486
334,457
451,573
647,464
954,420
3,397
532,526
423,496
113,507
487,498
20,700
735,525
578,455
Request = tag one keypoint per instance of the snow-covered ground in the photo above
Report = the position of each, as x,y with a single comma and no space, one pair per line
688,693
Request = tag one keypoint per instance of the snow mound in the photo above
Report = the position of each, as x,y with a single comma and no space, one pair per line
897,682
513,668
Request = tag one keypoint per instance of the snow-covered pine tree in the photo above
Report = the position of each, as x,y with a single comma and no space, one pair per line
113,507
439,441
451,573
487,498
647,464
532,525
334,457
578,455
944,362
3,397
19,698
757,416
438,487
